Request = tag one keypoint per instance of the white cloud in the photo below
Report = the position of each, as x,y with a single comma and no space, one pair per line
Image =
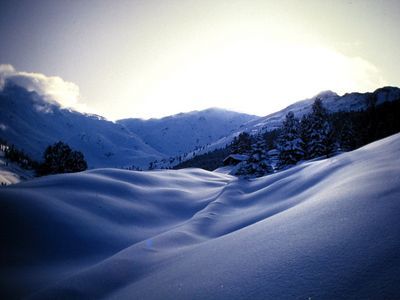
51,88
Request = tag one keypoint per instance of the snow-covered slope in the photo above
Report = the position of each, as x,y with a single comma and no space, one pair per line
326,229
11,173
32,123
330,100
177,134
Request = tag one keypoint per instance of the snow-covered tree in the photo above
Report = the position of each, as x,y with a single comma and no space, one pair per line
346,136
319,131
305,128
258,163
290,144
242,144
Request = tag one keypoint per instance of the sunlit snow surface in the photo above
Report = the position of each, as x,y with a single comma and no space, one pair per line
326,229
11,173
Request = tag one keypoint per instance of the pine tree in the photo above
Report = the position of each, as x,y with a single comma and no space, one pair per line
305,134
290,144
241,144
259,158
346,136
258,163
321,142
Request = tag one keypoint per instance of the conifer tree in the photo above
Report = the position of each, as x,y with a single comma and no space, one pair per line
242,144
346,136
305,135
258,163
320,131
290,144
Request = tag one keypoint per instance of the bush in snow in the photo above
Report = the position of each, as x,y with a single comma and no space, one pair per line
60,158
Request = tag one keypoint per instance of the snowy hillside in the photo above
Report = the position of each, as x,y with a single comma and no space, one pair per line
330,100
11,173
32,123
177,134
326,229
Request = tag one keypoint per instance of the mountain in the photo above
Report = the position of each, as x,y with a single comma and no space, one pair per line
325,229
32,123
181,133
332,101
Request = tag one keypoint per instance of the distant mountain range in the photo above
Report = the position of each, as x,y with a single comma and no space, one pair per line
184,132
332,101
32,123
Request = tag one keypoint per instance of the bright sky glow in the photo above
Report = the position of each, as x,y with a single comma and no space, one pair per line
156,58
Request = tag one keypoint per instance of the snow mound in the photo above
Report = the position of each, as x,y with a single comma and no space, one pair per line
325,229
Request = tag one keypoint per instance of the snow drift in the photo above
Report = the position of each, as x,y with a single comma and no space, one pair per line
326,229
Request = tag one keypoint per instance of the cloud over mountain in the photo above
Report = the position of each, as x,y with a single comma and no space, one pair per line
51,88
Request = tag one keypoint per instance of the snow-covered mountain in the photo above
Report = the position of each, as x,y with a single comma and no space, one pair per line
181,133
325,229
32,123
332,101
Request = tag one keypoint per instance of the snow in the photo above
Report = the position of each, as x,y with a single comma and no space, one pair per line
331,101
184,132
224,170
237,157
326,229
11,173
32,123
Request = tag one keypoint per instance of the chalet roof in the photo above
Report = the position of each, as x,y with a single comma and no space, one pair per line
237,157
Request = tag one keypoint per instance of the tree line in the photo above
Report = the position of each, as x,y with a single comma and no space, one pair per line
318,134
57,158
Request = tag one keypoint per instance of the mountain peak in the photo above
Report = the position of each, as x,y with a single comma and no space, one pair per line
326,94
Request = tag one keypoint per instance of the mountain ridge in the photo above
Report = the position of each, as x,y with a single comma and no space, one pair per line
332,102
32,123
183,132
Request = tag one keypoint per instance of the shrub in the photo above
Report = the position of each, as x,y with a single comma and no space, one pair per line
60,158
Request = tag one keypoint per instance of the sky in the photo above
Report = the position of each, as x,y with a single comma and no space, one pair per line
153,58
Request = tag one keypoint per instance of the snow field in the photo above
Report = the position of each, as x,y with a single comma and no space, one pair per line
323,229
